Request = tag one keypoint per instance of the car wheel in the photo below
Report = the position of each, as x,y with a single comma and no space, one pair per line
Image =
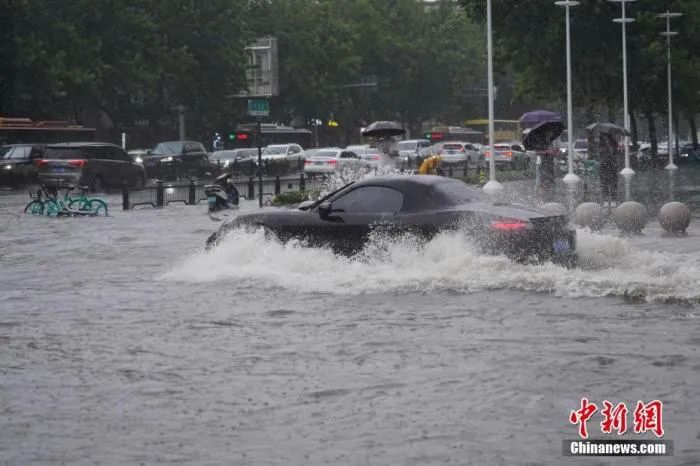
98,184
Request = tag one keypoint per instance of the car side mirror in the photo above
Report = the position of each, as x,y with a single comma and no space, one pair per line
324,210
305,205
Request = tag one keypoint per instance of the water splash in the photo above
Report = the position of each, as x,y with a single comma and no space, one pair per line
609,267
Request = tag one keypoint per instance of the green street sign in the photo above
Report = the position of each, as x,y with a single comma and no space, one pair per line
259,107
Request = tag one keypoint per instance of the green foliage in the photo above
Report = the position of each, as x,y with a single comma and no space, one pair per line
294,197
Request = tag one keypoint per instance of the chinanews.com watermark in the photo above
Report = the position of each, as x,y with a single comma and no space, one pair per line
647,417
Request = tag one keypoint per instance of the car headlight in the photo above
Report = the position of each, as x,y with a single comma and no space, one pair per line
138,160
226,163
166,159
7,167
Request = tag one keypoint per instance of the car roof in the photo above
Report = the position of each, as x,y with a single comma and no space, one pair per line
80,144
414,140
24,144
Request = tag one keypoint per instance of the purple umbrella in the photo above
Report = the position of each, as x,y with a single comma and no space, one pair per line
530,119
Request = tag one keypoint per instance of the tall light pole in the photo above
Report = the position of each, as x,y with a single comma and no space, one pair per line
570,177
668,34
623,21
493,187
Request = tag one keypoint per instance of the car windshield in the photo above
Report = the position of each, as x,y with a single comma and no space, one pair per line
456,192
4,151
63,153
580,144
407,145
275,150
168,148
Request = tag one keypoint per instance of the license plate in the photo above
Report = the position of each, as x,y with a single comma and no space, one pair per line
561,245
58,170
318,163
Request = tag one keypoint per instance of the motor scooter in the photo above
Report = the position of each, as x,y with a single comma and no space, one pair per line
222,194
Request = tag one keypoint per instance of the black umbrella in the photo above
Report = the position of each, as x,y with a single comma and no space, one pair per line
542,135
532,119
607,128
383,129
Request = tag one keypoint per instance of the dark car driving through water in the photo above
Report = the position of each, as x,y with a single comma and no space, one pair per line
422,205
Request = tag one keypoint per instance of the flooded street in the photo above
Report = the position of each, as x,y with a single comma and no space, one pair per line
123,342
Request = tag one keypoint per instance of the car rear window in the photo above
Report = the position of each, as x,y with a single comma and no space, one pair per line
63,153
452,147
326,153
407,145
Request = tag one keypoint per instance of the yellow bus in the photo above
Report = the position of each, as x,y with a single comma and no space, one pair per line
504,130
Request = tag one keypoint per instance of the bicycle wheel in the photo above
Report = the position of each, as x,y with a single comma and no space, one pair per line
35,207
53,207
82,205
97,207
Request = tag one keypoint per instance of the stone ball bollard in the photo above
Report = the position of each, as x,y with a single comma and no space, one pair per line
630,217
555,207
589,214
674,217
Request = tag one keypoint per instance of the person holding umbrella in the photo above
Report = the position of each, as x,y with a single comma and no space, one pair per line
609,154
609,167
540,139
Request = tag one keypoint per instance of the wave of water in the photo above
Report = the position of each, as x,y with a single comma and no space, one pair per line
609,267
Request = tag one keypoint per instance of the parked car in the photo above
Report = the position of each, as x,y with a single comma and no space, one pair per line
509,154
331,160
177,159
459,153
96,164
409,149
424,205
690,153
374,158
18,163
138,155
289,152
243,161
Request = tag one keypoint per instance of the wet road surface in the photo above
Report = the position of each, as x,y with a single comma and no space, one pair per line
124,343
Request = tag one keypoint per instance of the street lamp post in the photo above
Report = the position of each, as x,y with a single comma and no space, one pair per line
623,21
668,34
493,187
570,177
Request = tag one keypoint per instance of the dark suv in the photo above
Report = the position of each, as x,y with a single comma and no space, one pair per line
96,164
175,159
18,163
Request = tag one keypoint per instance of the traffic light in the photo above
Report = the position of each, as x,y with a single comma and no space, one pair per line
231,136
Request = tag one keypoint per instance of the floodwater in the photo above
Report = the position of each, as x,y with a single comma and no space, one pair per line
123,342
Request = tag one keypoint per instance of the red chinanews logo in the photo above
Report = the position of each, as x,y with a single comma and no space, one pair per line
647,417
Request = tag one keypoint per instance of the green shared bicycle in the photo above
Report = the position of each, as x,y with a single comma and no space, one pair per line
49,202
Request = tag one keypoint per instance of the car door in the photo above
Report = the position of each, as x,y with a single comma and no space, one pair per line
354,214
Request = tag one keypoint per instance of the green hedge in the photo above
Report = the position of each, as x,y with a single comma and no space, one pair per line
294,197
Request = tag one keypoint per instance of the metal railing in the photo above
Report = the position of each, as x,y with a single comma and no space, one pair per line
163,193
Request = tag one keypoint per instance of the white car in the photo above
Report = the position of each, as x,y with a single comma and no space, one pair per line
331,160
459,152
290,152
512,155
410,149
374,158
